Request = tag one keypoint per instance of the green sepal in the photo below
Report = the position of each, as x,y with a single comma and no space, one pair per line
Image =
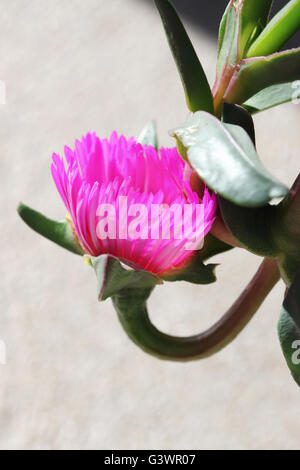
148,136
279,30
289,328
195,83
273,96
58,232
224,156
212,247
195,272
113,276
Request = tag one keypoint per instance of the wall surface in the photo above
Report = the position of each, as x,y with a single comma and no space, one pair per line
72,378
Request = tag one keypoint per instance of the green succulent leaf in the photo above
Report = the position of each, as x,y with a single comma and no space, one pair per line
241,24
195,272
289,328
273,96
254,18
254,75
239,116
195,83
252,227
224,156
148,135
113,276
58,232
222,27
280,29
229,53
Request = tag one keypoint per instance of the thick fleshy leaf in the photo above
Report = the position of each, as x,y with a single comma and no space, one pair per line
239,116
289,328
148,135
58,232
242,22
254,75
226,159
252,227
195,272
273,96
254,17
195,83
222,27
113,276
280,29
229,53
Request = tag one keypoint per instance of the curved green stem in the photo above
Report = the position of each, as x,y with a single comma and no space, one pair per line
133,315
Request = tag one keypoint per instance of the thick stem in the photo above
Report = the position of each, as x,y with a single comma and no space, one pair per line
218,92
133,315
219,89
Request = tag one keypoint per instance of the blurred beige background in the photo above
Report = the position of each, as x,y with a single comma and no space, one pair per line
72,378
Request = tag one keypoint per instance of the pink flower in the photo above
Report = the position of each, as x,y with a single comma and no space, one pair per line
106,181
